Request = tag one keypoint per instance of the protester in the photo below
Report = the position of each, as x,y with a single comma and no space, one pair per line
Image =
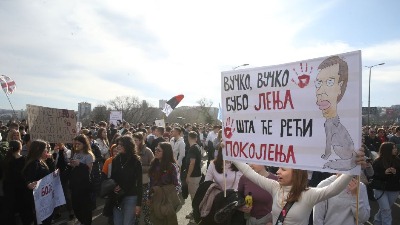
396,137
178,145
164,173
193,175
38,165
215,173
15,191
80,184
13,135
210,143
260,212
146,156
372,141
102,142
127,174
342,208
158,138
385,182
61,159
291,187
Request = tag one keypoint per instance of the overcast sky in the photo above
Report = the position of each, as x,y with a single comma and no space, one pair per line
62,52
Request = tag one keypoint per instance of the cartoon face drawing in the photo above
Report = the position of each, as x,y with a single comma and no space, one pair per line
328,89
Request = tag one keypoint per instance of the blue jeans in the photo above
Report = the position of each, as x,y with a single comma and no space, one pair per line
125,216
384,214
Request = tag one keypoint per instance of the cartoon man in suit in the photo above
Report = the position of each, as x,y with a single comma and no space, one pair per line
331,83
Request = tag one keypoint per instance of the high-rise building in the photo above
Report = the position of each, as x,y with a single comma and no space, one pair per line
84,109
161,103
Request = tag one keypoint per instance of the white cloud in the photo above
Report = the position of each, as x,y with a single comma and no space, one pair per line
155,49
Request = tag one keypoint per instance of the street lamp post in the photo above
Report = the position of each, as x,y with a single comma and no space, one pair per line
369,88
234,68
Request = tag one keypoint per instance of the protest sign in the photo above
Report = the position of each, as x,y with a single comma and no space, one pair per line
304,115
160,123
115,116
47,195
50,124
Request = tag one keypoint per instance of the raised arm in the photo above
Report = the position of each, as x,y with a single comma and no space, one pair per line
267,184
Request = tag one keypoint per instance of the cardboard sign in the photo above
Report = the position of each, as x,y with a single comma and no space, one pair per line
50,124
47,195
304,115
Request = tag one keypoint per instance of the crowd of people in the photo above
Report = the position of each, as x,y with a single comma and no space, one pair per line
153,169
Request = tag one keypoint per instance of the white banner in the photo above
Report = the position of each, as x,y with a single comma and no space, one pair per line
160,123
115,116
48,194
304,115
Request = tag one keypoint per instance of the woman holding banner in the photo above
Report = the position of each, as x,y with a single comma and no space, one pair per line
38,165
290,192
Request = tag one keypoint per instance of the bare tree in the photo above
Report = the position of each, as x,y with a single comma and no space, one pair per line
134,110
205,110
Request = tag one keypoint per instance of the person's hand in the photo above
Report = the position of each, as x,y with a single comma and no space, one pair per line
388,171
352,186
360,158
138,209
245,209
392,170
117,189
32,185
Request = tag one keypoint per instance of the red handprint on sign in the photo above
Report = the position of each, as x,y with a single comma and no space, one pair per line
228,131
303,79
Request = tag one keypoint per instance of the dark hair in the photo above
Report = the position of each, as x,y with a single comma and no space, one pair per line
35,152
161,130
343,71
103,123
26,138
129,145
192,135
86,144
386,155
168,129
13,147
219,163
166,161
140,137
101,131
114,139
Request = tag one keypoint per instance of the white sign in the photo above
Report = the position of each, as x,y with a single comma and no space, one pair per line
50,124
160,123
304,115
115,116
48,194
